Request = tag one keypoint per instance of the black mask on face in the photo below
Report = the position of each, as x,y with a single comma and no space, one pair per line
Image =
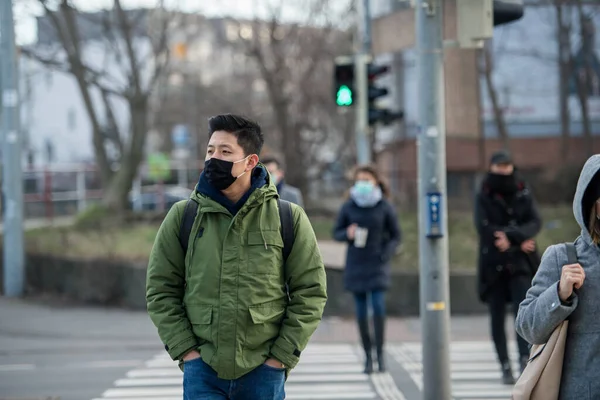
218,172
502,184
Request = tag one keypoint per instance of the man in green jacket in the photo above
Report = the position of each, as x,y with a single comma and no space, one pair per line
229,310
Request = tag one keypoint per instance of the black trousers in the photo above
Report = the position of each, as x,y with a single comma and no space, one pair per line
516,287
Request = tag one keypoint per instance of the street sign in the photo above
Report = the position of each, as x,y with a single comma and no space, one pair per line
434,217
159,166
180,135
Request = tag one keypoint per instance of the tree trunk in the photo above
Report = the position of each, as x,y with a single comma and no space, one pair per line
493,93
583,84
116,193
564,63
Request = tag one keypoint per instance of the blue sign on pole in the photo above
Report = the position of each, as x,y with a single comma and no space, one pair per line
434,215
180,135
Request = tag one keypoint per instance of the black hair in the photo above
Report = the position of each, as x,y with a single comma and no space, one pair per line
248,133
271,160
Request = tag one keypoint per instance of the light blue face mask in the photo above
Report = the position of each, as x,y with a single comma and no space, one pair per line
366,194
364,188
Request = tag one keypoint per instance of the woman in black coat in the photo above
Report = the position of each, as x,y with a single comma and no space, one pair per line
368,223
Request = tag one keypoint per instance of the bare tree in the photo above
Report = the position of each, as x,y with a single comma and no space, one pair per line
134,44
563,33
295,59
193,102
584,75
573,78
488,72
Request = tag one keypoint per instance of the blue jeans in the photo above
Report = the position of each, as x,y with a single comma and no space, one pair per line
377,302
200,382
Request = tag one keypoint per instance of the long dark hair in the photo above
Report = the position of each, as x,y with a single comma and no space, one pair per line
372,170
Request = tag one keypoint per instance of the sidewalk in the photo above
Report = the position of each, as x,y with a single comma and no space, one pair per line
400,330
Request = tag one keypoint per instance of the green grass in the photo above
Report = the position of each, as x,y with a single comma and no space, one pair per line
134,241
131,243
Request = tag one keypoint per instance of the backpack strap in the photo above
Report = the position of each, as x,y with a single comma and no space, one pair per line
187,222
287,227
571,253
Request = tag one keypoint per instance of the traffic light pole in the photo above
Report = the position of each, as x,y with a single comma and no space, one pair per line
433,237
363,145
12,181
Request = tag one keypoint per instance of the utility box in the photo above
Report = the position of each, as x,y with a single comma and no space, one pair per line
475,22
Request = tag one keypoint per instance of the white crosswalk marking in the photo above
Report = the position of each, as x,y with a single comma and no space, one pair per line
325,372
475,372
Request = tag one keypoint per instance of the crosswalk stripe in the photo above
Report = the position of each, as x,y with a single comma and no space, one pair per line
325,372
332,396
475,371
386,387
142,398
465,367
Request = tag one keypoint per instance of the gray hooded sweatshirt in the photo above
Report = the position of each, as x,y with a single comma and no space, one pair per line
542,310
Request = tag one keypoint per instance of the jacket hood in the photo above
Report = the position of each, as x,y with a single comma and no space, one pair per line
261,189
589,171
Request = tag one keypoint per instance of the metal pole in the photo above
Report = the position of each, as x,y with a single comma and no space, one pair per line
433,240
12,182
363,146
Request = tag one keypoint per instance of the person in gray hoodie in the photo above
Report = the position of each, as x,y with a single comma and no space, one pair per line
560,291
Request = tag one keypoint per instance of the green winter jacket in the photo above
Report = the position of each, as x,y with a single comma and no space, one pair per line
227,296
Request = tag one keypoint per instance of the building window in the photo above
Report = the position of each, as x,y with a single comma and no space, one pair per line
246,31
232,32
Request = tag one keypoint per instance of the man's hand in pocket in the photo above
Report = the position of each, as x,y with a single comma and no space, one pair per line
271,362
192,355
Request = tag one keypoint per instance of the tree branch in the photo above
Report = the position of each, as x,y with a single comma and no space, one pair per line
125,28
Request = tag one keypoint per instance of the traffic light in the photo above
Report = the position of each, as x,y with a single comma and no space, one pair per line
376,114
344,88
506,11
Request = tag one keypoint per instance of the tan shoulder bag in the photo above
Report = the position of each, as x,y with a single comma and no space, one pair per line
541,378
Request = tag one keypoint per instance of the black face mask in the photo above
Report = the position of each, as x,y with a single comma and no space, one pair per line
218,172
502,184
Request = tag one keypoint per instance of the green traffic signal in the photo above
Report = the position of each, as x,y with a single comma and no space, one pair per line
344,96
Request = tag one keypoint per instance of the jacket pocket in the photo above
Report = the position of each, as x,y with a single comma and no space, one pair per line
200,316
265,323
264,252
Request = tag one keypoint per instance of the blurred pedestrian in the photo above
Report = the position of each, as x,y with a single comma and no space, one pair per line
507,221
563,291
286,191
368,223
221,306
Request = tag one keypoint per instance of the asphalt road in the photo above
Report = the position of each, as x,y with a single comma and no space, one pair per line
68,353
58,351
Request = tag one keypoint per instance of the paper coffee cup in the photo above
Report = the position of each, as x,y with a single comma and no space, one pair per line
360,237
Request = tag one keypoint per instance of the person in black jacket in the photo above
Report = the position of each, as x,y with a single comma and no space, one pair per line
368,223
507,221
